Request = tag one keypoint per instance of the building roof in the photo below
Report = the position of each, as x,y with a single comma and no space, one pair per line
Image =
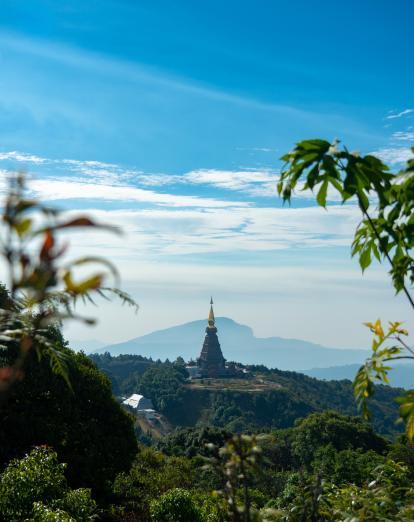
134,400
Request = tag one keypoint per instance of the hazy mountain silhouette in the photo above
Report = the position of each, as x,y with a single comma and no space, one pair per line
238,344
401,376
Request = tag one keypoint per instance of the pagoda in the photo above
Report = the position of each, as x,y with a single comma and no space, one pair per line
211,362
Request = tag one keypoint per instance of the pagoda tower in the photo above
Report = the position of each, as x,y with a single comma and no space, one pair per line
211,361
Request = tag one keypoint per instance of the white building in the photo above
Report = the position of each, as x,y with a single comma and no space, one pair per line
138,402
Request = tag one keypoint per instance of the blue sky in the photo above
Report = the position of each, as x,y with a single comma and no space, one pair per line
169,119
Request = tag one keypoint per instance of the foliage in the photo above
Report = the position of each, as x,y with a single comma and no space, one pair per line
346,466
190,442
290,396
151,475
386,232
36,486
389,496
376,369
78,503
330,428
88,428
402,452
38,476
163,384
238,461
43,287
122,370
389,234
177,505
42,513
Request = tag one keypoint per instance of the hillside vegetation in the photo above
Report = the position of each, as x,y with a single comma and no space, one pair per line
264,399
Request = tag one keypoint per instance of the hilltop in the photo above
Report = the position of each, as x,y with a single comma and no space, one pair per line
238,344
264,399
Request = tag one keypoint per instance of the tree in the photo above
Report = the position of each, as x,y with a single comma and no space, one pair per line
151,475
331,428
85,425
175,506
386,232
163,384
35,486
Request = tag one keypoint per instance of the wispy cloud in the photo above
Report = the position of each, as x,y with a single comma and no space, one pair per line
22,157
394,115
67,189
168,219
394,155
403,135
180,231
75,57
258,149
253,182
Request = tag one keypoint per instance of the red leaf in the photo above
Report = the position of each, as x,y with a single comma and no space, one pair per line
47,246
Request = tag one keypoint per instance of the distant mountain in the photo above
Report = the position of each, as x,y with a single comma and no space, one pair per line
401,376
87,346
238,344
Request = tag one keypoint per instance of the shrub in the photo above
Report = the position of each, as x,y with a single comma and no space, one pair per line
38,476
34,488
42,513
176,505
79,504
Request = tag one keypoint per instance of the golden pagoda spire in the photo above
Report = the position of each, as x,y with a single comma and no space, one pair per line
211,319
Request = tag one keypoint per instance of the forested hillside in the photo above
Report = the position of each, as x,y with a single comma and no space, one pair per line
263,399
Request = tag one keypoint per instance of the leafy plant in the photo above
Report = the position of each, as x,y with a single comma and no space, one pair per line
177,505
386,201
43,285
386,232
238,462
35,486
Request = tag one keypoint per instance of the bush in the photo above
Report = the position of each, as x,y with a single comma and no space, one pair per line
38,476
35,488
176,505
151,475
78,502
42,513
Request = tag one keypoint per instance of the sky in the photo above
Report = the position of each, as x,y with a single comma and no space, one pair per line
168,119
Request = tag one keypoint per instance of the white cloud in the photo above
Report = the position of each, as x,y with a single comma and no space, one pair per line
394,115
21,157
253,182
177,223
257,149
403,136
62,189
217,230
394,154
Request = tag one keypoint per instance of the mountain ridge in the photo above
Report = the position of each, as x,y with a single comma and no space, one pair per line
238,343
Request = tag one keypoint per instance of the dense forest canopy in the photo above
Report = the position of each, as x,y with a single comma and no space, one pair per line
285,396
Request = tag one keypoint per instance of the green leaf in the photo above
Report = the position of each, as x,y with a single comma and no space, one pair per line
407,412
59,364
280,187
322,193
337,184
363,200
365,258
22,227
316,144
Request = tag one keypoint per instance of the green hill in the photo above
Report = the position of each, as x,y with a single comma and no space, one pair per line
264,399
